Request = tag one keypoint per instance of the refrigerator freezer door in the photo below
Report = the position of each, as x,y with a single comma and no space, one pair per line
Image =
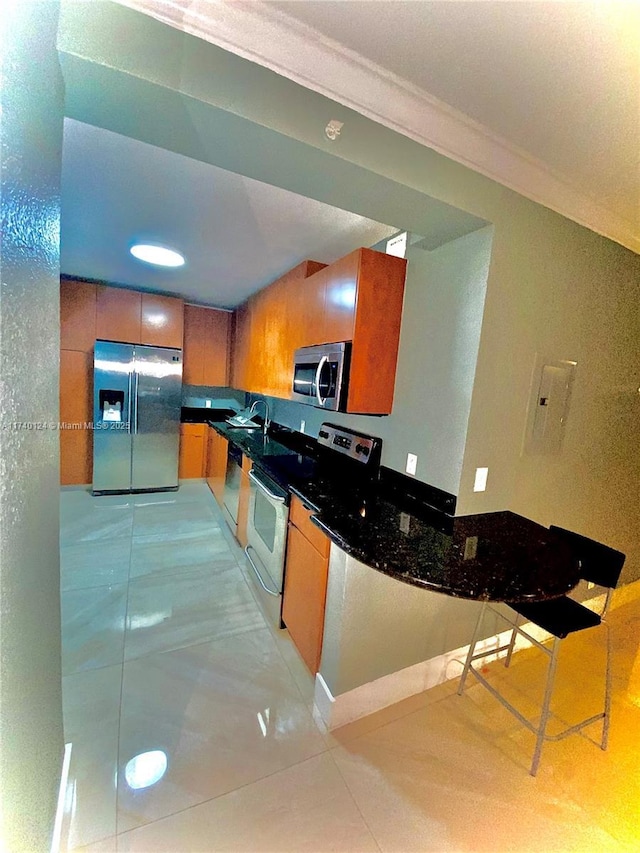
112,380
155,417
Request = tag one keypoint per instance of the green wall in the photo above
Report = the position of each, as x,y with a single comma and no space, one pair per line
31,741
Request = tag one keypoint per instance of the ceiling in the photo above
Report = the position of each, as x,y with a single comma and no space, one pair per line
559,79
237,234
541,96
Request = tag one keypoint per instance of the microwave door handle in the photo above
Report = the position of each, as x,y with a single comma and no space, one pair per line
321,364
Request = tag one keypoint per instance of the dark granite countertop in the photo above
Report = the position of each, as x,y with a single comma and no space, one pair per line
496,556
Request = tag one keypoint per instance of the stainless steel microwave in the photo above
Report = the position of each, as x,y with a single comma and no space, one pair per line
320,375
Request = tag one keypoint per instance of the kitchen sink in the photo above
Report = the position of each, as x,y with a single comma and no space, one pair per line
242,422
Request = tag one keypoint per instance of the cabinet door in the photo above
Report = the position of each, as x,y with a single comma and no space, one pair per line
340,298
193,353
217,328
241,341
305,592
191,451
308,317
118,314
161,320
77,315
376,335
76,441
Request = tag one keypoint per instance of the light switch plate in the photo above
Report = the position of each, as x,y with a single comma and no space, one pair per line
412,463
480,482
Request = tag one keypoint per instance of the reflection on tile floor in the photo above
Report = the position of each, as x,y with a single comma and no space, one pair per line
193,729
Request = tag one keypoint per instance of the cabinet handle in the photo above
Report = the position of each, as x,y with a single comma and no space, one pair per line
321,364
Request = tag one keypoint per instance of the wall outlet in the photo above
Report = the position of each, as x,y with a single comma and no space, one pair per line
412,463
207,404
470,548
405,522
302,425
480,482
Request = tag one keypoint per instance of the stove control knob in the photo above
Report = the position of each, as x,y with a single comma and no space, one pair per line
363,449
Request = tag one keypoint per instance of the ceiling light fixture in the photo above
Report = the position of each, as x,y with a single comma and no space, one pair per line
159,256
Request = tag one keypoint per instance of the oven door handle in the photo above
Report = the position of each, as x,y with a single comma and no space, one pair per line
257,573
267,492
321,364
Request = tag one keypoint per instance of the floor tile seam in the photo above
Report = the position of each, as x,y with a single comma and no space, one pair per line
226,793
94,586
354,801
188,646
203,567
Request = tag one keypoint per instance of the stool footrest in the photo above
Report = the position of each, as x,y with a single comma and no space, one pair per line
525,722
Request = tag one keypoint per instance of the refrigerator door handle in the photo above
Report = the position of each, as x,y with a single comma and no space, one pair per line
130,397
134,403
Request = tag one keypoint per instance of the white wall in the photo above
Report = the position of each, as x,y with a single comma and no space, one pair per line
31,741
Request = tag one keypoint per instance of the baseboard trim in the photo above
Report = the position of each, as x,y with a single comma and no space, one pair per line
59,822
337,711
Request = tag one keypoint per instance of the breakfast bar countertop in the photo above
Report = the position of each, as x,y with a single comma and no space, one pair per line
498,556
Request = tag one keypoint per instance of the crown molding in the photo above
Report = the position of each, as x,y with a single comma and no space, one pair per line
269,37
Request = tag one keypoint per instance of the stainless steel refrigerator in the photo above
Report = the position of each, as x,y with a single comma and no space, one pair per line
136,402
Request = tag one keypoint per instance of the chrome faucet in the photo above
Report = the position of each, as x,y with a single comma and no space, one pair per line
267,419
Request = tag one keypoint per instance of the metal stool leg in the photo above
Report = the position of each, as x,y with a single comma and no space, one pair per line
545,706
512,641
472,648
607,693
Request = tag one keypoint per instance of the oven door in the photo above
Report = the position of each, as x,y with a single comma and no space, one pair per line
267,539
319,375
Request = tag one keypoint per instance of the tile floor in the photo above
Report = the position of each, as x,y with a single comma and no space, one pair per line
193,727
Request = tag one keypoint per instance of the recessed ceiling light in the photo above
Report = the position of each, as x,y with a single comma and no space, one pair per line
159,256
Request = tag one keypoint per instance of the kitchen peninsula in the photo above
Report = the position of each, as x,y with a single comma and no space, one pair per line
403,574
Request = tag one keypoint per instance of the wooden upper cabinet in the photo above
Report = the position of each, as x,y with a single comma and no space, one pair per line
77,315
207,334
341,289
376,333
161,320
267,330
118,314
193,354
242,334
217,340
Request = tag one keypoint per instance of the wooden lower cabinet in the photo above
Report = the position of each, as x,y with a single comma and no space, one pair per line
217,448
305,592
192,451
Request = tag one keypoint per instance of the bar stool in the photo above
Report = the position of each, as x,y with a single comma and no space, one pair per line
559,617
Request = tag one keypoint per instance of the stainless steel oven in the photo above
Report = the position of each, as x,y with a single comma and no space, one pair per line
267,540
320,375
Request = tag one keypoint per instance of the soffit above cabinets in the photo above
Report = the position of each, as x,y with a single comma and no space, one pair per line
542,97
236,233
